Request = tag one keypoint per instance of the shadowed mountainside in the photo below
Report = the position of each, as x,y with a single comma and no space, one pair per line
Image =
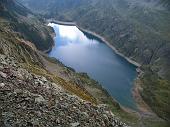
26,24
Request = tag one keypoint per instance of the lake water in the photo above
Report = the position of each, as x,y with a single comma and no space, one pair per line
86,53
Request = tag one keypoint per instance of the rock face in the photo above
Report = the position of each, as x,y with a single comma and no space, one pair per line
31,100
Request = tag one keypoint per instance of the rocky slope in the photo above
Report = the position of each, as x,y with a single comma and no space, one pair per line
138,29
27,99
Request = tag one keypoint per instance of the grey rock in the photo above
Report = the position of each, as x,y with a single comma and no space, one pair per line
40,99
2,85
3,75
75,124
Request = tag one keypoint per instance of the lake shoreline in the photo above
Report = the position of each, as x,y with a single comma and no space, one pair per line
98,36
139,106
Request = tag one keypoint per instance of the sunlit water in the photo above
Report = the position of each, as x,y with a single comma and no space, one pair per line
87,54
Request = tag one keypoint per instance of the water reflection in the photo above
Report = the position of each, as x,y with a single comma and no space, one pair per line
71,34
76,50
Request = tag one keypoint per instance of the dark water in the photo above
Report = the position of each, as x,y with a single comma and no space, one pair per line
87,54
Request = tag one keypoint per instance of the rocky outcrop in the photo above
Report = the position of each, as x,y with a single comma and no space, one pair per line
27,99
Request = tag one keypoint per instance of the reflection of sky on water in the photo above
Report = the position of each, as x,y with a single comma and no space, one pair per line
76,50
72,34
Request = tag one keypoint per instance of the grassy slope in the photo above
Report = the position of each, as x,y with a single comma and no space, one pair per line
159,96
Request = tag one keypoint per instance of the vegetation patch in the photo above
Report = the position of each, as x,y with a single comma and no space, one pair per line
156,93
